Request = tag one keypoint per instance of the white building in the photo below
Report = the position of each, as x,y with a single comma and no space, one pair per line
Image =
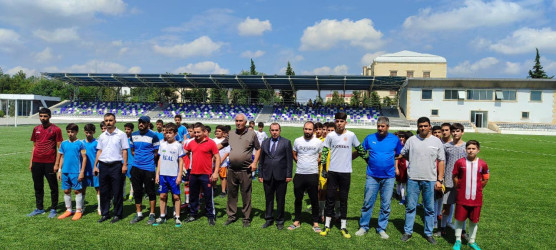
480,101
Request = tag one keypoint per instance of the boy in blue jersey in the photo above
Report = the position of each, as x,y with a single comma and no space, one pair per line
144,147
182,130
128,131
91,148
160,130
169,173
73,160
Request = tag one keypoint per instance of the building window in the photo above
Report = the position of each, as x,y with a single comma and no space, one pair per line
426,74
426,94
434,112
506,95
393,73
479,94
524,115
536,96
450,94
410,73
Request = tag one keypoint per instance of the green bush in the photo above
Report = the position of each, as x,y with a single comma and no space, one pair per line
2,114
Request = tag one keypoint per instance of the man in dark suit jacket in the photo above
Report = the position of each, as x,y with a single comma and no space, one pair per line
275,171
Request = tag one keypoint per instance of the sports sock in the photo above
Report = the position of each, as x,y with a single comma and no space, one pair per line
98,202
402,191
327,223
344,223
186,191
79,202
140,214
459,228
473,229
398,189
162,215
67,201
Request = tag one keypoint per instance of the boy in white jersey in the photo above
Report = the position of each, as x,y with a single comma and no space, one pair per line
221,133
339,145
261,136
169,172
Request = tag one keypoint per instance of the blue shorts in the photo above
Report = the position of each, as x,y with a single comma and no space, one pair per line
69,181
88,181
96,183
168,183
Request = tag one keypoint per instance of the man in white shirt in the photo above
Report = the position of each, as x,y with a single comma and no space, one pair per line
306,153
111,160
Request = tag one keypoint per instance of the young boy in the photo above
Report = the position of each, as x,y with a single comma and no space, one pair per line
73,160
169,173
220,133
318,130
261,136
128,130
437,132
102,127
455,150
401,170
470,176
252,125
160,130
182,131
91,150
446,132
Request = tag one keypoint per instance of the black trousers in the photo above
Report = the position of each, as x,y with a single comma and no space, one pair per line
142,178
39,171
337,182
275,188
196,183
309,183
111,187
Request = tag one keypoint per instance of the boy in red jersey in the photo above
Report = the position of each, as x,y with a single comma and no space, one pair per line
470,176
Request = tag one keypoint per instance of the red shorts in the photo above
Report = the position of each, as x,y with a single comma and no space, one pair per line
464,212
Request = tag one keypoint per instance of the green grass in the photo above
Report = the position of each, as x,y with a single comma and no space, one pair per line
518,209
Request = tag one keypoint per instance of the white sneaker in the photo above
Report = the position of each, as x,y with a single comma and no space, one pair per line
361,232
383,235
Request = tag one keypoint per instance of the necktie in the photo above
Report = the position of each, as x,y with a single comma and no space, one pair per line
273,149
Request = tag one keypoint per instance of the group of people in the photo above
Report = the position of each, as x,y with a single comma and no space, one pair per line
445,170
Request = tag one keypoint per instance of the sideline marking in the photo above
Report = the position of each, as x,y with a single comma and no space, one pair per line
516,151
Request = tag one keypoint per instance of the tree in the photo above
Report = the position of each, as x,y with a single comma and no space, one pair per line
374,99
537,71
336,100
386,101
288,96
355,99
253,69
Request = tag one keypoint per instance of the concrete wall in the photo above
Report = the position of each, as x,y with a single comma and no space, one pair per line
437,70
498,111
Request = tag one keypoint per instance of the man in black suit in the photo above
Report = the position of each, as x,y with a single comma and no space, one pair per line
275,171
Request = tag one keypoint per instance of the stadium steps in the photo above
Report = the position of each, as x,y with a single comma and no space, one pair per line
52,108
264,115
153,114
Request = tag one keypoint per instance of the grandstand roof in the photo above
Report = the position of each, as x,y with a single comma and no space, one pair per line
297,82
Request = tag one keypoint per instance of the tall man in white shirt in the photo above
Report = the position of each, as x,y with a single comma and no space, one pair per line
111,166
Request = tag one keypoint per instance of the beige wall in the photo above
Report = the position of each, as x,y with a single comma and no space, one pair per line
437,70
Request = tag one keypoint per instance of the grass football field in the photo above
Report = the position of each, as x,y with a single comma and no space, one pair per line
518,210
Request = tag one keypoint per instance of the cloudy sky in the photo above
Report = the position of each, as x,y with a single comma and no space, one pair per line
478,38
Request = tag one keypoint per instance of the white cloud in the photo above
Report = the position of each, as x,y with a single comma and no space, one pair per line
215,20
202,46
206,67
8,36
27,71
329,33
253,27
117,43
325,70
61,35
252,54
368,58
96,66
134,70
525,40
45,55
123,50
473,14
468,69
513,68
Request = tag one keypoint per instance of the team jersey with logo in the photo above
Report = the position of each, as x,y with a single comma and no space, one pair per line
307,155
45,140
169,157
144,145
470,175
72,156
341,147
91,150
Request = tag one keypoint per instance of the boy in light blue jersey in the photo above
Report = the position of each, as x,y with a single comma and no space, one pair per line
73,160
169,173
182,130
160,130
128,130
91,148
